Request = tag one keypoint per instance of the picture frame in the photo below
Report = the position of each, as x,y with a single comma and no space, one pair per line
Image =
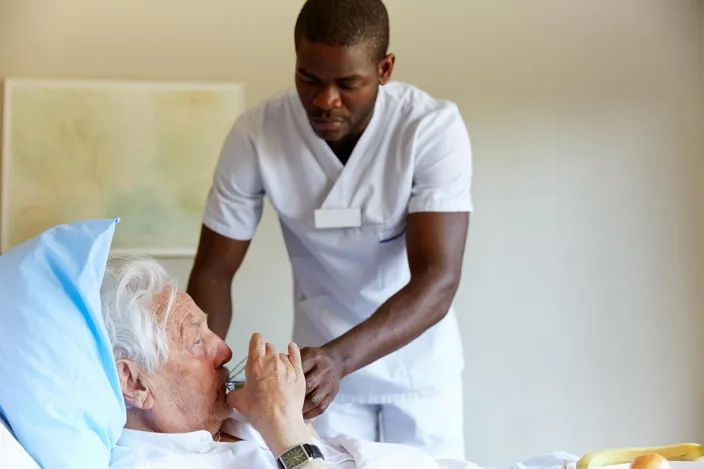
141,151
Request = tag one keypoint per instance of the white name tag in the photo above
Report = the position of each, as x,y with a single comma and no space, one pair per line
338,218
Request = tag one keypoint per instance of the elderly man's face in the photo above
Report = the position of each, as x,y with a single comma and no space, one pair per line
195,375
188,392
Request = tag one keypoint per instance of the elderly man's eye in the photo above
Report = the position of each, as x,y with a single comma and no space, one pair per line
198,342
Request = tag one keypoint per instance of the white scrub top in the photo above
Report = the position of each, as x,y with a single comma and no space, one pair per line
415,156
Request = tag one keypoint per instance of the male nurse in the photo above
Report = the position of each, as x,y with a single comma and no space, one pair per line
371,182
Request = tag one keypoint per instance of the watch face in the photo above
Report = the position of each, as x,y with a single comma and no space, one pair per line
294,457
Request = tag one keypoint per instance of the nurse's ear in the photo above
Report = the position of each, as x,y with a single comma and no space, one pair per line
135,388
386,68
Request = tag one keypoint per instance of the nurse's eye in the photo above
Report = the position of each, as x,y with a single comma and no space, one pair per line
307,79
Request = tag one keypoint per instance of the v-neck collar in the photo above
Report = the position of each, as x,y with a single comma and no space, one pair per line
338,173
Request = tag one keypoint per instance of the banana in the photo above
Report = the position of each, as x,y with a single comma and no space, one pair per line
608,457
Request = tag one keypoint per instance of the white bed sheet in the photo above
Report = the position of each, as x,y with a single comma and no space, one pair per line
555,461
12,454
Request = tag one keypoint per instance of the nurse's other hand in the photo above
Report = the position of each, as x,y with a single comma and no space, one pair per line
323,375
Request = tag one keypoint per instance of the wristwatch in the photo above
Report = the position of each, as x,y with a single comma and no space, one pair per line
298,455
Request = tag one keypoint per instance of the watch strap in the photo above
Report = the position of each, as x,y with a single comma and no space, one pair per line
313,451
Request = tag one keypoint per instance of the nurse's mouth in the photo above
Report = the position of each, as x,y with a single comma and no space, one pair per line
327,125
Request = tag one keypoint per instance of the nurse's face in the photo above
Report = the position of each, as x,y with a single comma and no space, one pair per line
338,85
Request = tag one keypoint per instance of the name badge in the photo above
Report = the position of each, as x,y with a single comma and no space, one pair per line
338,218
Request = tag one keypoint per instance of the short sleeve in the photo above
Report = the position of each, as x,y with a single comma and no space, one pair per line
235,201
442,179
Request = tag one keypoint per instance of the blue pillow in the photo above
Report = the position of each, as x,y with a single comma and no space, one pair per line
59,389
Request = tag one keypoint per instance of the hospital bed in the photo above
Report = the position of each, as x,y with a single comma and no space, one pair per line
59,264
14,456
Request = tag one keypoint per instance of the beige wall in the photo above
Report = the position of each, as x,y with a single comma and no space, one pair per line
582,302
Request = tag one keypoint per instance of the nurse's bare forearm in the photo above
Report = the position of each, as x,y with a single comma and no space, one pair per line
214,297
415,308
217,261
435,243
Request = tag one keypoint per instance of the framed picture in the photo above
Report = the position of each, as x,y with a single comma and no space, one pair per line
141,151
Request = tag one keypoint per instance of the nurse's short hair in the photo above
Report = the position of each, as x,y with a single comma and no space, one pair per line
345,23
136,323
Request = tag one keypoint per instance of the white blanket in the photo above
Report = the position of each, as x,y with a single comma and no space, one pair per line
556,460
370,455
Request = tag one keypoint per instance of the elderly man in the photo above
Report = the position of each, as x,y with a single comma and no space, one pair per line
172,374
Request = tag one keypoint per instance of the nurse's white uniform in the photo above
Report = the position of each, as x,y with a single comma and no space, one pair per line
414,156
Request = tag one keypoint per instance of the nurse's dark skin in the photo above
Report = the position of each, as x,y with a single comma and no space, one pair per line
337,86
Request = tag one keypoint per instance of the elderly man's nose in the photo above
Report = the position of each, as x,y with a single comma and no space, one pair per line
224,354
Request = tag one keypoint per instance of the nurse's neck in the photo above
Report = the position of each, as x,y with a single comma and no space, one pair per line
343,148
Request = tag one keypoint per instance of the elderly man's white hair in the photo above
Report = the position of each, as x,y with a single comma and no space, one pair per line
128,294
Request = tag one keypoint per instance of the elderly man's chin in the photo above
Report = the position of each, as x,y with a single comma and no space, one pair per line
221,410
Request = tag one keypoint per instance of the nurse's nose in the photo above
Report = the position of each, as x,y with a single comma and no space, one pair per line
328,99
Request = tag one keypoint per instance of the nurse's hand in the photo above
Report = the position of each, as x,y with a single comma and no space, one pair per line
323,375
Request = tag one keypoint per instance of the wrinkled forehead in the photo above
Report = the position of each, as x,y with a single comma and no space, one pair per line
179,312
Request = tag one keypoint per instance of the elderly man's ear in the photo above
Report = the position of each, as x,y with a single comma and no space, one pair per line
135,388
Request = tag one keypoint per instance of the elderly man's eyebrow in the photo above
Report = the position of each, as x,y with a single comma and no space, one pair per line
190,323
197,320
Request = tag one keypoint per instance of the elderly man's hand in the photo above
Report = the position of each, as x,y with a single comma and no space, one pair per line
323,375
273,393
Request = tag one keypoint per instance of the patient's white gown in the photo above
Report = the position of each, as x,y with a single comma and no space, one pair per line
146,450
